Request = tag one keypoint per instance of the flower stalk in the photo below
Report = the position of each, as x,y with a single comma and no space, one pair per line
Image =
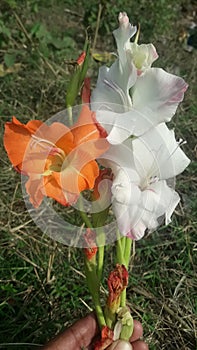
94,288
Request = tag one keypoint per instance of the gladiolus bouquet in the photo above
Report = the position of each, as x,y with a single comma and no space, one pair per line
112,160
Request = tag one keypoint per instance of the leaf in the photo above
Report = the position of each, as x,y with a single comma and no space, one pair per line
77,78
9,59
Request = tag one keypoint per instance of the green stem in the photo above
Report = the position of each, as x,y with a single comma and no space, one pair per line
120,243
123,298
70,115
127,253
83,214
101,251
93,285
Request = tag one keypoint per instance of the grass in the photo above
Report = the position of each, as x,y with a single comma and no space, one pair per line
41,287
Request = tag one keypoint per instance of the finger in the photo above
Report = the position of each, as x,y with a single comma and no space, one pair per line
120,345
137,331
78,335
139,345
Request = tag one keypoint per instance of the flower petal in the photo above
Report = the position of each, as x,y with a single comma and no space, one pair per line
114,83
129,220
87,128
35,189
143,56
157,153
53,190
160,200
123,35
79,170
125,188
120,126
16,139
157,95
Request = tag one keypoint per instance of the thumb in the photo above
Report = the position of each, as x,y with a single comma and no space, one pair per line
120,345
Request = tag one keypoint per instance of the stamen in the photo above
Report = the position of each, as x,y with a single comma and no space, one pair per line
118,90
38,140
153,179
43,143
179,143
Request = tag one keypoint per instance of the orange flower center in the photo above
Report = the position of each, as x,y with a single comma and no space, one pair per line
55,155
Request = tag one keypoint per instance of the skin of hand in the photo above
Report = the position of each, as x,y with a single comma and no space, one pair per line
81,335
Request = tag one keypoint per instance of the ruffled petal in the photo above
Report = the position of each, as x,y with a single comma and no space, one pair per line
125,188
160,200
35,189
87,128
56,134
79,169
157,95
120,126
114,83
16,139
118,156
157,153
143,56
123,35
53,190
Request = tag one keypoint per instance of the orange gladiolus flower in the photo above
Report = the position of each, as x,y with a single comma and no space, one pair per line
60,162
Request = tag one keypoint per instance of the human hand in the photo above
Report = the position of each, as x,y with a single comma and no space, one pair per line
82,333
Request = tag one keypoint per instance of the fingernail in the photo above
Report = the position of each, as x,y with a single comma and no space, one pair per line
120,345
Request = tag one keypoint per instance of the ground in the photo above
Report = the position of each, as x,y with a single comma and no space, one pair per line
42,287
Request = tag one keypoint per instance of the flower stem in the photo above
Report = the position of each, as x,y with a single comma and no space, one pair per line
120,244
93,285
101,250
127,253
83,214
70,115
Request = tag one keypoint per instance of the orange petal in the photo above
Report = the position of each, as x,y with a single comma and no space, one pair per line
68,181
53,190
33,125
85,128
34,187
90,172
34,163
80,169
16,139
58,134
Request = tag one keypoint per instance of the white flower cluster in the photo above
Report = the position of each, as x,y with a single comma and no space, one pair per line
133,101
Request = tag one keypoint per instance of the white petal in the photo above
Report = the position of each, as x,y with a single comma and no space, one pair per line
122,36
175,199
114,83
129,220
138,231
143,56
157,153
157,94
125,188
112,90
120,126
160,199
122,214
118,156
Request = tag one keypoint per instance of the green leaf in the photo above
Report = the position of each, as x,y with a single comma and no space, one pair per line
77,78
9,59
